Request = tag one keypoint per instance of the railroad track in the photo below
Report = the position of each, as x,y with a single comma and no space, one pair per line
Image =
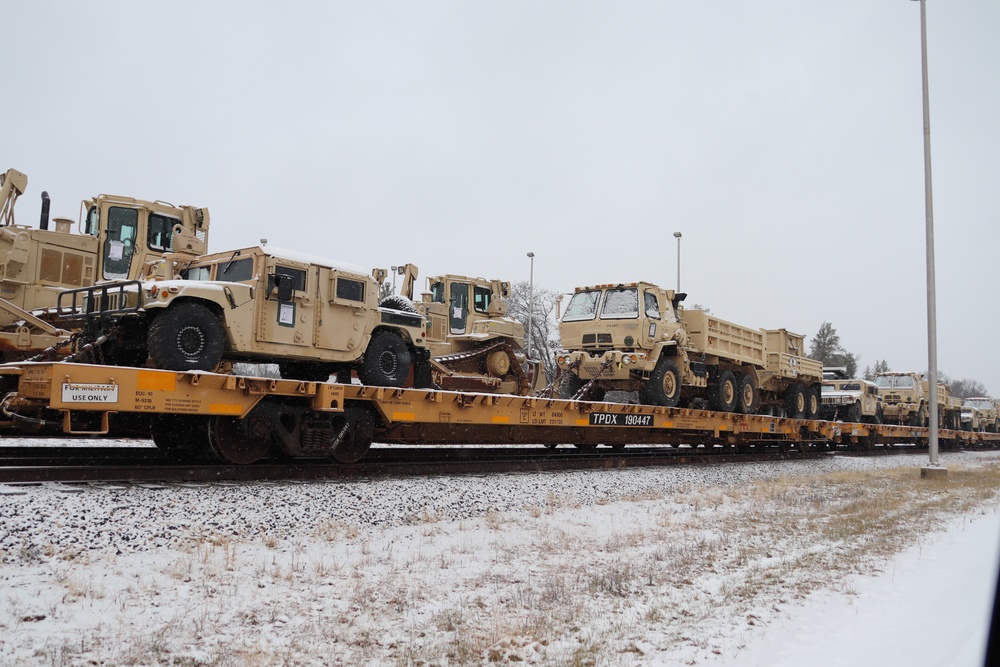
29,465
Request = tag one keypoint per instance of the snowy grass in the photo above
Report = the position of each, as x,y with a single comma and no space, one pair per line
669,577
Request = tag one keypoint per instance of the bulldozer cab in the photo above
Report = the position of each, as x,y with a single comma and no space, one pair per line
132,233
467,300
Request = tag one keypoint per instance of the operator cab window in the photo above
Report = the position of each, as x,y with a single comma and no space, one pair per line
481,299
123,224
437,292
161,232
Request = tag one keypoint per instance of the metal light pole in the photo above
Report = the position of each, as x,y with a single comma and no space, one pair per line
934,467
677,235
531,298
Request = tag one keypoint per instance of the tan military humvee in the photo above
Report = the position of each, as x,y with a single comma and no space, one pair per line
311,316
853,401
117,238
980,413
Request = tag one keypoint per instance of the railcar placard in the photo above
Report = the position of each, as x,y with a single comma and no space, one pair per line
89,393
619,419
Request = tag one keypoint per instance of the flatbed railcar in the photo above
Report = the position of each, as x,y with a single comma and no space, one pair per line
240,419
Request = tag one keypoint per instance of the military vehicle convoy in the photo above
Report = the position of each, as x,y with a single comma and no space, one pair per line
637,337
474,346
311,316
118,238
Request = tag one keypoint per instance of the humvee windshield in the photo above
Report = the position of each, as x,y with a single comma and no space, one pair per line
850,386
583,306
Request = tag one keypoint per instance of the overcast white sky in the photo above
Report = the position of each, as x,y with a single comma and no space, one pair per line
783,138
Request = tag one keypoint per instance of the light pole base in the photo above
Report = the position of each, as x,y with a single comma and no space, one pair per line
933,472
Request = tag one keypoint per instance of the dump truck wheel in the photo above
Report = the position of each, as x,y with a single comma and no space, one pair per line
812,402
723,393
304,370
186,337
748,395
664,385
398,302
795,401
854,414
386,362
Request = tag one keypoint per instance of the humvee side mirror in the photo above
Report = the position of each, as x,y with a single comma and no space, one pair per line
283,283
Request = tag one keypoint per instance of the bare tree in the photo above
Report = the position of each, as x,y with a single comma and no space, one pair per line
967,388
881,366
544,327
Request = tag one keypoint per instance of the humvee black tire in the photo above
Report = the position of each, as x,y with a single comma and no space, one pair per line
386,362
398,302
854,414
664,384
722,395
186,336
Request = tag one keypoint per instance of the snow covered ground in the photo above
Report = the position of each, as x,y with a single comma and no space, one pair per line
745,564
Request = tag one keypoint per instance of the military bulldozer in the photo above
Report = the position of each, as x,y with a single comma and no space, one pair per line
474,345
117,238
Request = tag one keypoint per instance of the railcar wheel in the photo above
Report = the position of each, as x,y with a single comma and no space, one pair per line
186,336
242,441
358,425
722,395
795,401
748,395
386,362
183,438
664,385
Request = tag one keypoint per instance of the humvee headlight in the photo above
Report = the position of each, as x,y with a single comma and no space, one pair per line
625,359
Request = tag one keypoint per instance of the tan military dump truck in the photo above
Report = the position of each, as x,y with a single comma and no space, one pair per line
980,413
116,238
311,316
636,337
474,346
907,400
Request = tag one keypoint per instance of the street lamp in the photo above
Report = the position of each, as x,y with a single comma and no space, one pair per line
677,235
934,468
531,298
